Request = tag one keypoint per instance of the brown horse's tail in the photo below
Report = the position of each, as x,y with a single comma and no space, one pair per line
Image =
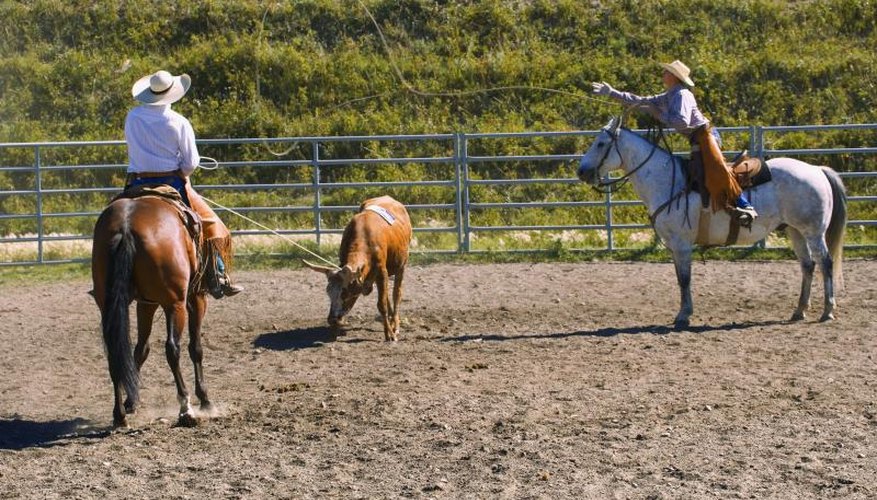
115,321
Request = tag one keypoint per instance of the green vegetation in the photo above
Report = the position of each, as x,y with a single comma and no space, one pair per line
318,67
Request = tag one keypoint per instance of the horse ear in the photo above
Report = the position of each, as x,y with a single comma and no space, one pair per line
613,123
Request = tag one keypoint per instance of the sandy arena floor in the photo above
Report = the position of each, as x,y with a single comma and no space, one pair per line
510,381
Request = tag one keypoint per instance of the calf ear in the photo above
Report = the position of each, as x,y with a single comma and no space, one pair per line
320,269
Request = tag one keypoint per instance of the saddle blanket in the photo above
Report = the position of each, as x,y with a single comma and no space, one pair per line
383,212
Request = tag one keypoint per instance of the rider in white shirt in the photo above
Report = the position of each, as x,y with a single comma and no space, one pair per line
162,150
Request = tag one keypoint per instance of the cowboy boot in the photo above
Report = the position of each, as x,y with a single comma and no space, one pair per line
744,212
223,281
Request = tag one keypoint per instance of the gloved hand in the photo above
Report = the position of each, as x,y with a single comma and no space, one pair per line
602,88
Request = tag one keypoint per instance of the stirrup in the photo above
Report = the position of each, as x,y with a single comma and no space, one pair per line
745,216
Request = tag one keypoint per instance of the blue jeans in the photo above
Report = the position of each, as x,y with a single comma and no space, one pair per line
173,181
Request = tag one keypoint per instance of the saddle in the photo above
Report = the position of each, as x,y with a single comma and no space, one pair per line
190,219
749,173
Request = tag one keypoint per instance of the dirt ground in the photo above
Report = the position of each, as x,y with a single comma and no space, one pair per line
510,381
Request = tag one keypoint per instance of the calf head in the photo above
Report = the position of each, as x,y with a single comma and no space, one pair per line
344,287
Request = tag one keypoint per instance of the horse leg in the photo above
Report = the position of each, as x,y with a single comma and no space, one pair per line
397,299
176,322
682,261
197,308
802,251
145,315
820,251
384,303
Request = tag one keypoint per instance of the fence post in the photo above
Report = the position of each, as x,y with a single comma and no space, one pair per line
315,161
464,167
754,151
38,179
458,186
609,239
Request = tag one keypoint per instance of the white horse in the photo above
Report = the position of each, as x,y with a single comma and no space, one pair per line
810,201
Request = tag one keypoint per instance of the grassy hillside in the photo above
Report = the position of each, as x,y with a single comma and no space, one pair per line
293,67
318,67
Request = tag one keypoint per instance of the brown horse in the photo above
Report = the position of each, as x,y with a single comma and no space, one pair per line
143,251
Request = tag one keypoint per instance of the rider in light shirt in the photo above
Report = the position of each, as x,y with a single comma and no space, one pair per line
677,108
162,150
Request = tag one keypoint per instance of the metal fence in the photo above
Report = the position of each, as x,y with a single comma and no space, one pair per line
460,167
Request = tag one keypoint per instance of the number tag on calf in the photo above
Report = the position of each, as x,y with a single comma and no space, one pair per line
383,212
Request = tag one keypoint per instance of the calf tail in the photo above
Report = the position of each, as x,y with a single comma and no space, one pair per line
115,321
837,226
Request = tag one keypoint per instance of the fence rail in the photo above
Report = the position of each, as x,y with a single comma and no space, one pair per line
464,174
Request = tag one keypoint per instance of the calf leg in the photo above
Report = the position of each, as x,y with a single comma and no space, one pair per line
397,299
384,303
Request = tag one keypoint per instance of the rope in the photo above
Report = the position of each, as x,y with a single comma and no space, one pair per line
462,93
209,160
290,240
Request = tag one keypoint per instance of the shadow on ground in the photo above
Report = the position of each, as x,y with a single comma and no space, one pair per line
302,338
611,332
18,434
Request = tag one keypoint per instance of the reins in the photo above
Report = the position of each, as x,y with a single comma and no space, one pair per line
624,179
620,181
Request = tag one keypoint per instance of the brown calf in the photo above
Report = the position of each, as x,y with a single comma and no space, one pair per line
373,248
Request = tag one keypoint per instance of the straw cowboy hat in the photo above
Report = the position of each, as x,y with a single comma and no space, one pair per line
680,71
161,87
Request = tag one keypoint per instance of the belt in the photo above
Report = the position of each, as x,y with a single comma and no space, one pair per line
132,176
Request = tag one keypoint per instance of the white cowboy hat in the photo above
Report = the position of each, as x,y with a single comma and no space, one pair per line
161,87
680,71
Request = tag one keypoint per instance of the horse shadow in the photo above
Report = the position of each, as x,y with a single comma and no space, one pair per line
612,332
19,434
303,338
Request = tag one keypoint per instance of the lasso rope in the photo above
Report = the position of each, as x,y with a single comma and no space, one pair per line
412,89
290,240
461,93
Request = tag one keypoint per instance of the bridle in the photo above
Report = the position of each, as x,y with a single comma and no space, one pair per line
607,186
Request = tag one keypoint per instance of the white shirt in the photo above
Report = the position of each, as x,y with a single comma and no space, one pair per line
160,140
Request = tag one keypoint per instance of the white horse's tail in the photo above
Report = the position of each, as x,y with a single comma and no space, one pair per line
837,226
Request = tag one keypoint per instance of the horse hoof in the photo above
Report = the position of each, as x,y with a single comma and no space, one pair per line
826,317
681,324
187,420
120,425
798,316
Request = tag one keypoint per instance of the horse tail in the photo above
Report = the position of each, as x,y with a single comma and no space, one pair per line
116,322
837,226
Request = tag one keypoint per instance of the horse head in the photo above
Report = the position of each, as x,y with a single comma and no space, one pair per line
603,156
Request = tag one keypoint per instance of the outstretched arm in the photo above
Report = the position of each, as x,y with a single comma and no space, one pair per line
649,103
